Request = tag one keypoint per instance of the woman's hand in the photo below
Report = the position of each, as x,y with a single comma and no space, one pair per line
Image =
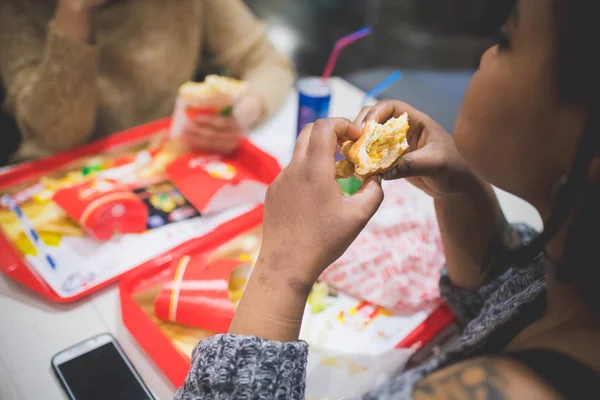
468,213
213,133
222,134
432,163
308,224
249,110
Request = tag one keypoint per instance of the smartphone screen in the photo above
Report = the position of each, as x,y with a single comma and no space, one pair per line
99,373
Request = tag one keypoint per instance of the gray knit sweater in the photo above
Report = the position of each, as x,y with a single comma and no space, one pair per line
228,367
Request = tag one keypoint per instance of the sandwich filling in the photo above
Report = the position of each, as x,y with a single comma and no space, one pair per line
379,148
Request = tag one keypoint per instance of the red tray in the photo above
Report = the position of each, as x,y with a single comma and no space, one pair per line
15,267
169,359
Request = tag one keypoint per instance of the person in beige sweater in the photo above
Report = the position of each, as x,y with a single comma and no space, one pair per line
78,70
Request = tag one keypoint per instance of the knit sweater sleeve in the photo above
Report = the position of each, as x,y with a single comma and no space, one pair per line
241,367
239,41
50,80
467,304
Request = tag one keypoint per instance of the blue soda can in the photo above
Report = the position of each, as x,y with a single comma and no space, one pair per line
314,96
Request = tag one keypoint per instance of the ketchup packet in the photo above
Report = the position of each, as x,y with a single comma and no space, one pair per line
212,183
203,293
103,208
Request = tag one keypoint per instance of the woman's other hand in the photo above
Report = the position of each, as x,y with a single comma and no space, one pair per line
467,210
309,222
249,110
432,163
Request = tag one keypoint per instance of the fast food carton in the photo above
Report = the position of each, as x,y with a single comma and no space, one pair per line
103,208
203,294
212,183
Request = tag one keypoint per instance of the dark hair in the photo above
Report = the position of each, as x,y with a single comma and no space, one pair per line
578,84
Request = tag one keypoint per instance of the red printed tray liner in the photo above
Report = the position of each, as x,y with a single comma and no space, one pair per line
11,261
157,337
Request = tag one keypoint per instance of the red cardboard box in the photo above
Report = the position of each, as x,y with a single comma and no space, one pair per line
104,207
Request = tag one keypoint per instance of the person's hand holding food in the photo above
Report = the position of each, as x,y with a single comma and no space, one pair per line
469,216
213,133
431,161
308,223
221,133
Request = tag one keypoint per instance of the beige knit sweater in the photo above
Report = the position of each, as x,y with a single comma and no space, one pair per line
64,92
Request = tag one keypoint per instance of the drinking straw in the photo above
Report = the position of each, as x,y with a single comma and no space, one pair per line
339,45
28,228
377,90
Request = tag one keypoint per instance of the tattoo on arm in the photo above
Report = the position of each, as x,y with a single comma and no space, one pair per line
475,381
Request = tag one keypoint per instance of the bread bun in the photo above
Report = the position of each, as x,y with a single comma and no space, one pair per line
214,87
378,149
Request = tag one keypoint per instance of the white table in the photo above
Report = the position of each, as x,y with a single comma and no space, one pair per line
33,330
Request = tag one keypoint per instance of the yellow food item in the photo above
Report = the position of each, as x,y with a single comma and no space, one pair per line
317,297
26,247
378,149
46,216
213,85
237,282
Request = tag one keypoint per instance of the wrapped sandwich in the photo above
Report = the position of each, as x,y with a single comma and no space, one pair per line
215,96
379,148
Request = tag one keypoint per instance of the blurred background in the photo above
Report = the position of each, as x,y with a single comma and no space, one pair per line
420,34
435,43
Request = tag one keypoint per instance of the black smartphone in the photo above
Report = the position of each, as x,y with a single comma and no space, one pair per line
98,369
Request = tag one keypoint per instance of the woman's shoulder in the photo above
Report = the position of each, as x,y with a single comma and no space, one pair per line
493,378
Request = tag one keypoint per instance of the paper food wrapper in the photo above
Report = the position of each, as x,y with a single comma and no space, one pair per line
396,261
212,183
204,294
103,208
215,96
331,375
353,346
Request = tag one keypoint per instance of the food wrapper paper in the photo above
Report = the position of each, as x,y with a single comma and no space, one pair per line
215,96
353,346
396,261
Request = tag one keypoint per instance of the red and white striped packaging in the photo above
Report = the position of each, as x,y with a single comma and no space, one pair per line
396,261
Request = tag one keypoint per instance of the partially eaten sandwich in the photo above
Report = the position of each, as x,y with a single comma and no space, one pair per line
216,92
379,148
